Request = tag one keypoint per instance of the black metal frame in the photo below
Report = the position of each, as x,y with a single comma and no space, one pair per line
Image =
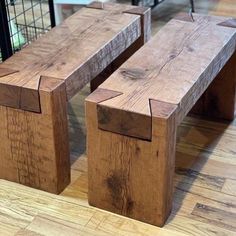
28,18
5,41
52,13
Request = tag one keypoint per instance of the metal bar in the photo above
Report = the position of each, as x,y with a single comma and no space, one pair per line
5,41
135,2
52,13
25,10
192,5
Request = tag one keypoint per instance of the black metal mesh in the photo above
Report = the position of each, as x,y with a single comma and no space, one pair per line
27,20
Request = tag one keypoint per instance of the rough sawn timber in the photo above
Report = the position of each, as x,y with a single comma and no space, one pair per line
131,133
37,82
76,52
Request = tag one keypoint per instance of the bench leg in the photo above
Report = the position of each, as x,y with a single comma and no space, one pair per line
219,99
34,146
145,14
130,176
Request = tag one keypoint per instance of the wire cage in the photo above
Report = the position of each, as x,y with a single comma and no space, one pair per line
23,21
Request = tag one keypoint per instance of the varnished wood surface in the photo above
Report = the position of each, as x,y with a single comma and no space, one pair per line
75,52
205,177
36,83
131,135
181,61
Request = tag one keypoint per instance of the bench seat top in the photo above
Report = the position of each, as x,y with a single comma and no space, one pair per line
76,51
174,68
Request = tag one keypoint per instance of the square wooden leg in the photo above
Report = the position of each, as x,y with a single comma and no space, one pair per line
131,176
219,99
34,146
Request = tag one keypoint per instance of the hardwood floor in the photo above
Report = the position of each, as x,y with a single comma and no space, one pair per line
205,179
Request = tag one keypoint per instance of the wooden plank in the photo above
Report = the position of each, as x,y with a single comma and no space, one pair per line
50,226
230,187
190,176
205,165
188,226
118,226
132,137
108,33
215,216
194,194
217,143
155,77
26,232
105,41
56,212
6,71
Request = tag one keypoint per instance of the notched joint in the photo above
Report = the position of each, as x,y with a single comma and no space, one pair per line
6,71
161,109
184,16
228,23
124,122
96,5
101,95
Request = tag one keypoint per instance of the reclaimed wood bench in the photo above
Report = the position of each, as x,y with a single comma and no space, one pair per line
133,116
37,82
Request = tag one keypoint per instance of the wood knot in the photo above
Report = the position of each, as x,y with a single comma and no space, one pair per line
133,73
115,184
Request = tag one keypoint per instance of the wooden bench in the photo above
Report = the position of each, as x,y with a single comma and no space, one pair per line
37,82
133,116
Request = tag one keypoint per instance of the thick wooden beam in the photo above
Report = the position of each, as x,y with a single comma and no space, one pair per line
37,82
34,147
131,135
76,52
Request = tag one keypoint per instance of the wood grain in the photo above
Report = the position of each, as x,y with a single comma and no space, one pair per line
154,78
215,216
47,214
34,147
87,43
209,181
219,99
131,138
